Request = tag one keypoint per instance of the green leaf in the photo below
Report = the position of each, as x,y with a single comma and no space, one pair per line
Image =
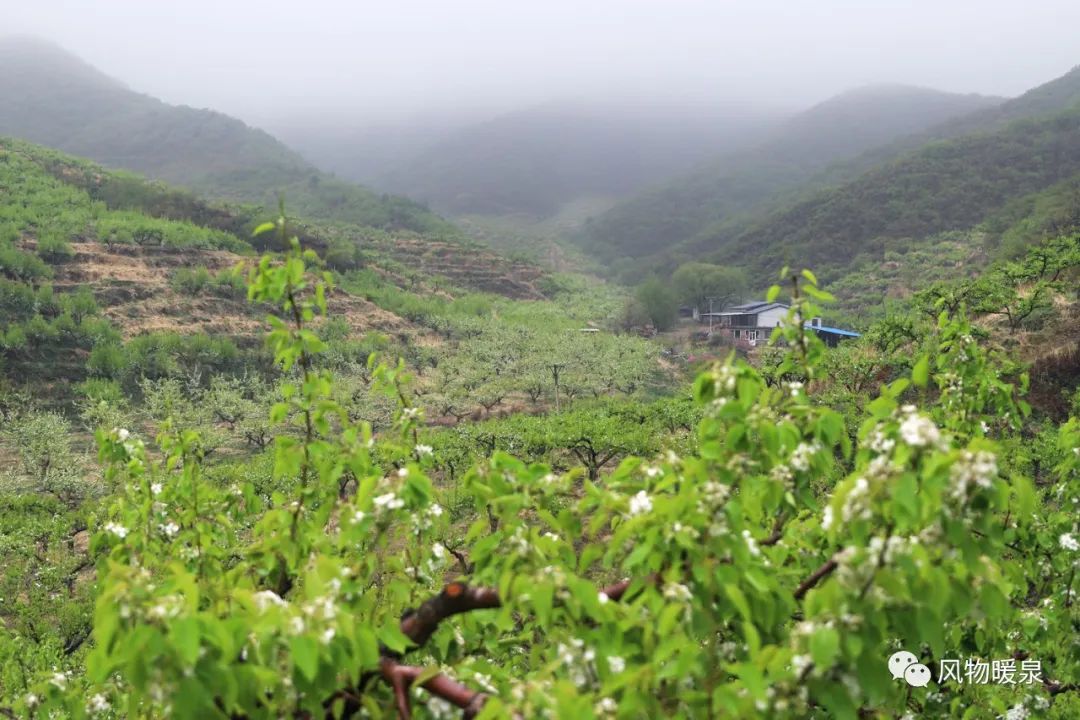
305,655
543,597
392,637
905,499
824,646
920,374
186,638
367,646
265,227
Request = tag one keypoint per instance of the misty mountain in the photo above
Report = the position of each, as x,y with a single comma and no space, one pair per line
1054,96
366,152
534,161
836,130
946,185
53,98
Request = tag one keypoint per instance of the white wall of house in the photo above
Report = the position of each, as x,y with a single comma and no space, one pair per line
770,318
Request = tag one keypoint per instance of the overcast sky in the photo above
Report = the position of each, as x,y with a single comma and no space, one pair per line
260,59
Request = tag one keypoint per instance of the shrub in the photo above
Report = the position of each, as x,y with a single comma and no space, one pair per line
106,361
54,249
191,281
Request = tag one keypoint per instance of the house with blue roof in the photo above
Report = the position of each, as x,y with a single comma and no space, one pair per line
752,323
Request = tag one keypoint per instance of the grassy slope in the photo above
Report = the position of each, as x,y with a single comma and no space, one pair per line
55,99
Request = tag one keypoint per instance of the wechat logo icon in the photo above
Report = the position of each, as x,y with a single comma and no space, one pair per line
905,665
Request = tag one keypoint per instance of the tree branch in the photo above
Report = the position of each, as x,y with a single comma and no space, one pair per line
420,624
818,575
402,677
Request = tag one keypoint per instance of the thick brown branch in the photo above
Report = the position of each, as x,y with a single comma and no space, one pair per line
454,599
1056,688
402,677
820,574
457,597
419,625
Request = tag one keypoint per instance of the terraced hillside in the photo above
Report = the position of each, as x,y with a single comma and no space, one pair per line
105,277
477,269
141,289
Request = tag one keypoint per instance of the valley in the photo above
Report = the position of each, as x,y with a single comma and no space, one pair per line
631,406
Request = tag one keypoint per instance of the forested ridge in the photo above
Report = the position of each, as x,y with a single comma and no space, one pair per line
898,191
951,185
735,184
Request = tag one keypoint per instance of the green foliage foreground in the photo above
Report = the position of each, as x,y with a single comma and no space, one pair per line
771,571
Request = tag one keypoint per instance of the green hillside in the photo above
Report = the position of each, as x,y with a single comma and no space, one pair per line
836,130
55,99
948,185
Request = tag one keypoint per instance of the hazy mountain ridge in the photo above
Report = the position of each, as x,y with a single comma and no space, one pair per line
1013,168
535,160
1054,96
56,99
831,132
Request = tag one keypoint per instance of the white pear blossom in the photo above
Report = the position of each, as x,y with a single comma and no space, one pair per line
918,430
881,443
616,664
1016,712
438,708
800,458
265,598
827,518
98,704
640,503
605,706
978,469
118,530
751,543
725,378
1068,542
121,434
676,591
155,488
166,607
389,501
424,450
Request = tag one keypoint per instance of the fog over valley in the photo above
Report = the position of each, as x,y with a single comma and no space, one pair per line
558,359
371,61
